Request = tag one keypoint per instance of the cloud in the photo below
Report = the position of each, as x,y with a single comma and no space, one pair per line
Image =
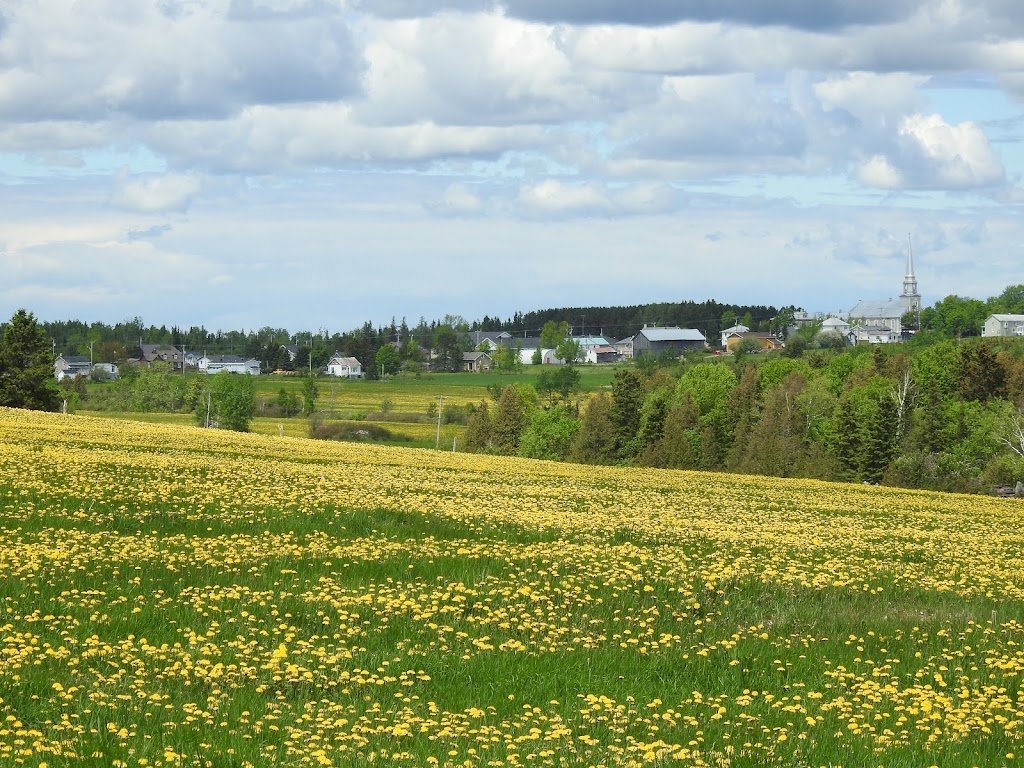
932,154
556,199
100,59
158,194
552,197
796,13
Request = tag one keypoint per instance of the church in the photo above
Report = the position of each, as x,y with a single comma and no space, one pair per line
880,321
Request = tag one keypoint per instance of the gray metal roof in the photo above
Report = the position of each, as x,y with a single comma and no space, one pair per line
879,308
672,334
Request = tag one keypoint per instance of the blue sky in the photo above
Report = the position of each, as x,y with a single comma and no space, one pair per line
319,163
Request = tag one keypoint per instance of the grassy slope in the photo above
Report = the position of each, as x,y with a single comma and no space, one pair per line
177,596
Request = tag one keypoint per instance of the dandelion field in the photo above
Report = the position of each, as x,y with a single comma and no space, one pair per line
182,597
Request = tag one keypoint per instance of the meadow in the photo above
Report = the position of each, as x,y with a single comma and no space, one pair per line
183,597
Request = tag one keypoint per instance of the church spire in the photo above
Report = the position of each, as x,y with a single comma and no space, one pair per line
909,281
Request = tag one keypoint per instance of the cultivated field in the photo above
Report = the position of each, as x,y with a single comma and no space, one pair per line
174,596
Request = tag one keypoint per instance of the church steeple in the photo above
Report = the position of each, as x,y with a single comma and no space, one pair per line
909,281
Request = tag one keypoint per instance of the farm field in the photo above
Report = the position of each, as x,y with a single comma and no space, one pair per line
183,597
412,395
418,434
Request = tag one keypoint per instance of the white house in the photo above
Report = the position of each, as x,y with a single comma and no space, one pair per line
70,367
876,334
1003,325
229,363
345,367
738,328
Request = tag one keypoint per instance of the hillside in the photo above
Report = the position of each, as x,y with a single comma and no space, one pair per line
176,596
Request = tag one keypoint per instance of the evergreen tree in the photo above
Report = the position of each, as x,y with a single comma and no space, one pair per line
680,443
930,424
652,416
743,412
595,441
980,374
26,366
848,441
627,401
775,446
510,419
478,430
880,445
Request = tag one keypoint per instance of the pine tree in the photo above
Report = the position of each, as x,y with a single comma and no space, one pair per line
981,375
743,413
627,401
848,441
478,430
510,419
595,441
929,426
26,367
680,443
880,441
776,443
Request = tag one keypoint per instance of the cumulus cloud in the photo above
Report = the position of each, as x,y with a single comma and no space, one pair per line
158,194
152,59
932,154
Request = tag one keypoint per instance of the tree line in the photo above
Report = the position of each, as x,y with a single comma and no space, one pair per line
944,415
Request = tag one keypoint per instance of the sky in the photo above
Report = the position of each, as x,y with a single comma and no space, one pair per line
315,164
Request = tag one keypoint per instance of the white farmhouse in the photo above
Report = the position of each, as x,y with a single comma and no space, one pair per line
345,367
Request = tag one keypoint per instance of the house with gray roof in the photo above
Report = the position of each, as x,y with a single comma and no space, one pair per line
1003,325
70,367
672,340
165,353
229,364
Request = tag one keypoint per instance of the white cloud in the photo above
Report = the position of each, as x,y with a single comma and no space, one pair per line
100,58
552,197
931,153
879,172
159,194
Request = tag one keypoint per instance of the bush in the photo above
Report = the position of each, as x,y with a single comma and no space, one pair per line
935,472
1007,469
354,433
